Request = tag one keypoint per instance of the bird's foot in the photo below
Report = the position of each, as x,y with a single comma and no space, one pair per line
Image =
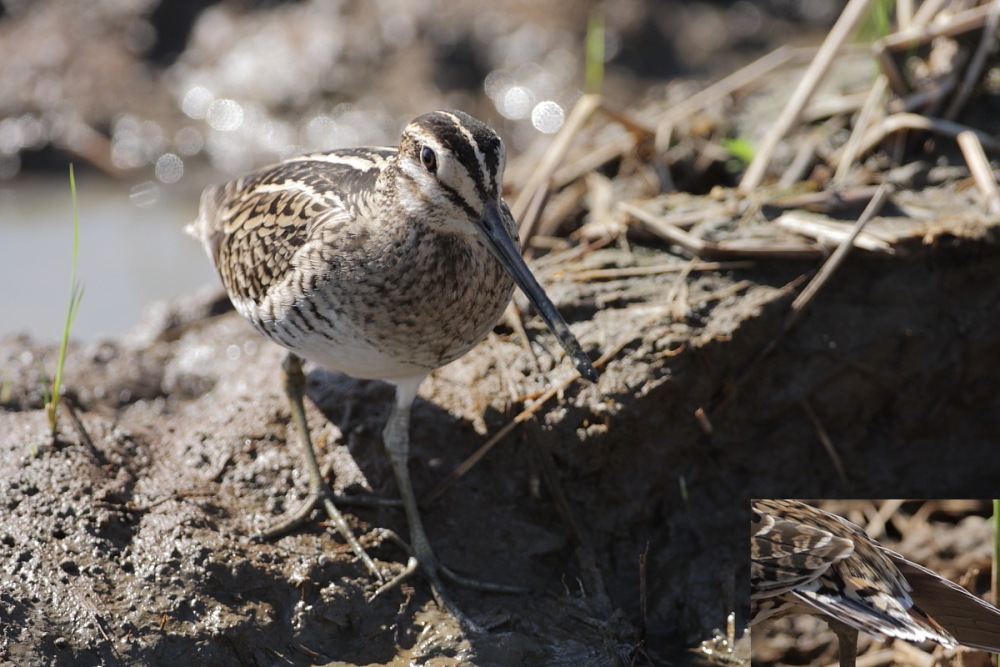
292,520
435,573
322,497
479,584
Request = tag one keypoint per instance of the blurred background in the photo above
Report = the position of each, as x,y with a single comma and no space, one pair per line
152,100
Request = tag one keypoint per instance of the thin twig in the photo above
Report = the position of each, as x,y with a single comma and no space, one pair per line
826,200
832,233
528,223
704,211
925,13
627,120
925,99
838,256
825,440
513,317
923,31
904,13
803,160
677,300
592,158
739,79
558,208
554,259
70,406
830,106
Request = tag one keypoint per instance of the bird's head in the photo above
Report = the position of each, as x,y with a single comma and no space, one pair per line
450,174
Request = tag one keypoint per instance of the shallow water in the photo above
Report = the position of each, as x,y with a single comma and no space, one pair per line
133,251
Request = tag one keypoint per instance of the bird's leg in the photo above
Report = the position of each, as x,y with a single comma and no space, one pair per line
319,492
847,638
397,444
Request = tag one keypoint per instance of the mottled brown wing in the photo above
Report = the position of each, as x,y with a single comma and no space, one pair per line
786,553
253,227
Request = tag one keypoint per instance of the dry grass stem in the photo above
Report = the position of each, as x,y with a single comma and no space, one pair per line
874,103
904,12
513,317
832,233
979,165
540,177
803,160
659,269
830,106
704,423
742,78
752,248
836,259
911,121
925,13
592,159
825,200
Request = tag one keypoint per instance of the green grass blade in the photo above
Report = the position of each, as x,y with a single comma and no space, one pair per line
594,48
75,296
878,22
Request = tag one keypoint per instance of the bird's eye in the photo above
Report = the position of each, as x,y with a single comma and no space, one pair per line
428,159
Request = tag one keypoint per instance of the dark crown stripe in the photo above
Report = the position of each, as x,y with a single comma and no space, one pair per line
474,145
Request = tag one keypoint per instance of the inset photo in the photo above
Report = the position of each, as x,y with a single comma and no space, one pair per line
872,582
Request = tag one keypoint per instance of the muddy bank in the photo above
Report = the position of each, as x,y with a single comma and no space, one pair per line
125,541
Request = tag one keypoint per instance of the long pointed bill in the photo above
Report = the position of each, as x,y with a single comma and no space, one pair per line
509,255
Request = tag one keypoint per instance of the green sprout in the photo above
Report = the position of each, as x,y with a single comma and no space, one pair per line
741,149
594,48
75,295
878,22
